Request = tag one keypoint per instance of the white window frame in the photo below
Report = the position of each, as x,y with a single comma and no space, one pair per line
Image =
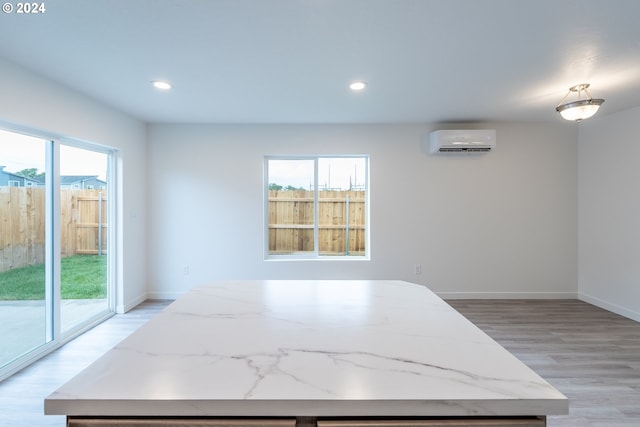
315,255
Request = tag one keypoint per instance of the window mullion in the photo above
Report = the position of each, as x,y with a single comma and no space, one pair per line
112,242
316,209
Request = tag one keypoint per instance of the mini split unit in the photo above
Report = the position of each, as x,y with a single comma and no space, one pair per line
461,141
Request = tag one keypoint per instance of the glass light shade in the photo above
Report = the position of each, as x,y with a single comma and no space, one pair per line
579,110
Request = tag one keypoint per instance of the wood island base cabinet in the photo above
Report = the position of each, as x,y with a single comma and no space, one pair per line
307,422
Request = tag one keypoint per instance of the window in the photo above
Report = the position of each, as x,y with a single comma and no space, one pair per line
317,207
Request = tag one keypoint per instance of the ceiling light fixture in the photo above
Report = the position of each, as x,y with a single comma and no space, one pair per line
162,85
582,108
358,85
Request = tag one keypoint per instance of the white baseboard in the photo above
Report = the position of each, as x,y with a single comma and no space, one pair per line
614,308
123,308
443,295
507,295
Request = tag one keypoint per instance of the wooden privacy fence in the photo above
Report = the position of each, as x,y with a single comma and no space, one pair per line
341,222
22,227
83,228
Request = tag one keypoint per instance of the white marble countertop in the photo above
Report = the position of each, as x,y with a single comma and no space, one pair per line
308,348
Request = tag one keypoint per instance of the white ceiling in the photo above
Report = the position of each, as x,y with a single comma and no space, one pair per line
290,61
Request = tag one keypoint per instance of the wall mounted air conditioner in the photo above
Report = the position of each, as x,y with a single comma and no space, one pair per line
462,141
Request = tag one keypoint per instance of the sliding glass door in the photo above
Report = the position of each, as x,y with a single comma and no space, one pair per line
54,246
23,309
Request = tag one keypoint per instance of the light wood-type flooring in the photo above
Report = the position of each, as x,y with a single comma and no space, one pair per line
589,354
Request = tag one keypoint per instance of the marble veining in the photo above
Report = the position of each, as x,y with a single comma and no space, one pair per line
308,348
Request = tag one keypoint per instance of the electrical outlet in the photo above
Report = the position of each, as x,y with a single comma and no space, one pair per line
185,270
418,268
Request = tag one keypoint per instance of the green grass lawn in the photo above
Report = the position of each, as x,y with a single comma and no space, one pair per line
81,277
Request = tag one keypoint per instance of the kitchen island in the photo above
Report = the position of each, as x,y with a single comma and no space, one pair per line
338,353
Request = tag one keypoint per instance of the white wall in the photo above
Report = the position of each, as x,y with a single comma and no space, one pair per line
30,101
609,212
502,224
496,225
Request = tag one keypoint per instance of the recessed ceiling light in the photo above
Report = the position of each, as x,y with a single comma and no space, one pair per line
358,85
162,85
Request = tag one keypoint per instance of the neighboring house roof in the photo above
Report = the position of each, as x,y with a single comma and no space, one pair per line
65,180
17,175
72,179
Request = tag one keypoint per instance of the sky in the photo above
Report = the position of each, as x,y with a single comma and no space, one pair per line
18,152
333,173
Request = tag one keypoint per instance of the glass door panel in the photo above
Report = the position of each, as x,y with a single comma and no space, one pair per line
23,305
83,236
